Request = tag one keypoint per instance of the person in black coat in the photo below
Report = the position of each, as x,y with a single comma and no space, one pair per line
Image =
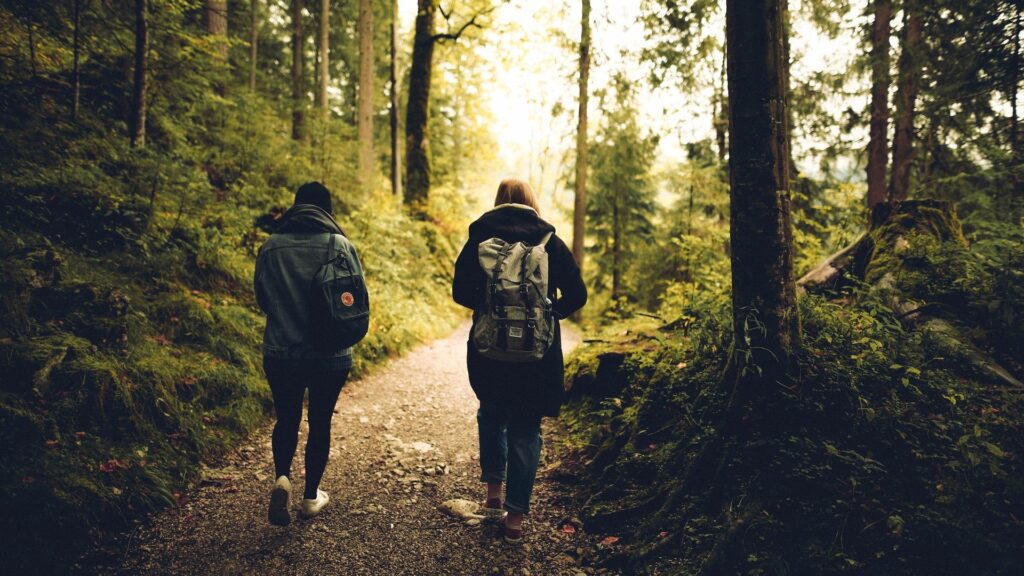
515,396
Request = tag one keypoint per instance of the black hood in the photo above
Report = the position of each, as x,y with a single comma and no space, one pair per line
511,223
307,218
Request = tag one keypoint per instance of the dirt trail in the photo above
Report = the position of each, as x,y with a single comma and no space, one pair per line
404,440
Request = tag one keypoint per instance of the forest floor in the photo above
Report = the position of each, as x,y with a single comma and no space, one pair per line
404,441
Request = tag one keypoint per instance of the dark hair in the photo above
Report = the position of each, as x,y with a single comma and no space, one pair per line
316,194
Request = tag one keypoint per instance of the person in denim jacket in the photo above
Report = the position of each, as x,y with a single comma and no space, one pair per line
300,245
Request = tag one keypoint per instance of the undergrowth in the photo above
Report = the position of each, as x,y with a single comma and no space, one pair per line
129,334
892,456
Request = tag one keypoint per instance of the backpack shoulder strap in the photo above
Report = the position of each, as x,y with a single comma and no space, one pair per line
331,240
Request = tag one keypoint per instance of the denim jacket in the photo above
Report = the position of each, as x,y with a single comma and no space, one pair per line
284,269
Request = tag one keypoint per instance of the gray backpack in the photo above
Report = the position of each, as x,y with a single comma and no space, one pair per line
516,323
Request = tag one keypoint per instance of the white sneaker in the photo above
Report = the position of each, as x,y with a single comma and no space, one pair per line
279,499
313,507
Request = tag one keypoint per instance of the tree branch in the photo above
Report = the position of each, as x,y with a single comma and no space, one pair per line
454,36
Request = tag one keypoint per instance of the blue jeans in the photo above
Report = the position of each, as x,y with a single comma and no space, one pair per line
509,449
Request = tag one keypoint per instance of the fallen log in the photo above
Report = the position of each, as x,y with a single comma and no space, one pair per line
875,259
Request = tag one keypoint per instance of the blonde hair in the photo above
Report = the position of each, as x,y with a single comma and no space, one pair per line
513,191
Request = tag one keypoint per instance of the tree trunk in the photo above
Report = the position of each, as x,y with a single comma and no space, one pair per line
396,161
1015,83
1015,147
76,79
721,122
254,37
365,118
616,250
325,56
298,74
765,321
878,144
217,25
787,90
906,97
579,213
417,154
138,122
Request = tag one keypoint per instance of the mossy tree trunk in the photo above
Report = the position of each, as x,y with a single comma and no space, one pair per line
906,98
878,143
766,329
765,323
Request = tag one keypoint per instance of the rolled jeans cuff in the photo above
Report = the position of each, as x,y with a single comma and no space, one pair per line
512,507
493,477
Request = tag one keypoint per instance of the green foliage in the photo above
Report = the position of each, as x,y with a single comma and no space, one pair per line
620,203
129,335
906,456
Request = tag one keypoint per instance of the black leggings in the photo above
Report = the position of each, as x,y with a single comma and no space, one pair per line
288,382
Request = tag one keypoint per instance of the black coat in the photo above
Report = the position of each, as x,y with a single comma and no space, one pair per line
533,388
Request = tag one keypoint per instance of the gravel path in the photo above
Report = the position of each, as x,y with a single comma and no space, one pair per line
404,441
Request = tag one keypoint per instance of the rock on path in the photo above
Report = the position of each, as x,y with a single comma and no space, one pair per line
404,441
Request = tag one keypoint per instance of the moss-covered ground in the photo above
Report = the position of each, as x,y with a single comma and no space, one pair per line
894,454
129,334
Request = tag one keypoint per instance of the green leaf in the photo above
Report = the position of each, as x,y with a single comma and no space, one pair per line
995,450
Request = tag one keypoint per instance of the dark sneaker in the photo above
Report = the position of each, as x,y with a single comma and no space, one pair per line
279,498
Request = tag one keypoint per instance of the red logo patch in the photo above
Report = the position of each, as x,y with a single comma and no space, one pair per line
347,298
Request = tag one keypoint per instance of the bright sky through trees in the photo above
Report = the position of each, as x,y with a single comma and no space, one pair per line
530,46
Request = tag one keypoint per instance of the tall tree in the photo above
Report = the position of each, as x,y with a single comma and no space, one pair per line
579,216
765,321
76,78
396,161
1015,145
621,204
721,120
324,74
906,97
254,37
138,120
298,73
417,112
878,143
417,152
365,114
217,24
